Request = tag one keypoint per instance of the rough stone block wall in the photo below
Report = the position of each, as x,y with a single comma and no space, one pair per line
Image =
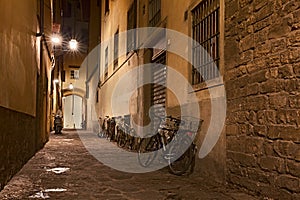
17,142
262,79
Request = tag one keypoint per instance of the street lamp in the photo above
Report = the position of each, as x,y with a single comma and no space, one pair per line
57,39
73,44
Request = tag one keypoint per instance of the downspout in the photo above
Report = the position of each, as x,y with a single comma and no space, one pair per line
42,69
42,73
41,34
40,82
140,72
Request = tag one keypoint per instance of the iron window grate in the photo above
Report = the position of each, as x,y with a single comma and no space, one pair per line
206,34
154,12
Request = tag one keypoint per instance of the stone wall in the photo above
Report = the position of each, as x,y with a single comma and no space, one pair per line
17,142
262,70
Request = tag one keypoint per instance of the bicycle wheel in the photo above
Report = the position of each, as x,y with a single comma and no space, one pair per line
147,151
183,154
121,140
129,142
101,134
133,142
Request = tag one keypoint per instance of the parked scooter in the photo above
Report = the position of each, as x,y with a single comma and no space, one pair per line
58,123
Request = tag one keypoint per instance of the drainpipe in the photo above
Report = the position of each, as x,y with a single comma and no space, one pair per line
140,103
42,75
40,83
42,34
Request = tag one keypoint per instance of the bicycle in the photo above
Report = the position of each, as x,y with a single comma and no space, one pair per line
177,147
118,134
125,134
111,129
103,127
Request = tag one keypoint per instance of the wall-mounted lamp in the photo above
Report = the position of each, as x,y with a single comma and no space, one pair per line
56,39
39,34
71,87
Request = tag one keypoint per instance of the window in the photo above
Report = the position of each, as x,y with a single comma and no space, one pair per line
106,63
106,6
154,12
116,49
158,90
97,96
131,24
206,33
74,74
63,76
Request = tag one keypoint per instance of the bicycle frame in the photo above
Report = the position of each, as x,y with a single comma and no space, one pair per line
178,150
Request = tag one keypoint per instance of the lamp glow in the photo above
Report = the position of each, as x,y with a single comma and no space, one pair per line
73,44
71,87
56,39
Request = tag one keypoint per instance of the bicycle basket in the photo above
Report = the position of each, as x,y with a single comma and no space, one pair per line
191,123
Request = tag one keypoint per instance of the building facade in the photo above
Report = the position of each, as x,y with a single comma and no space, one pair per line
120,55
25,65
254,47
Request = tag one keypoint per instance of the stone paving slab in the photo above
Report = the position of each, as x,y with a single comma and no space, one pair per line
87,178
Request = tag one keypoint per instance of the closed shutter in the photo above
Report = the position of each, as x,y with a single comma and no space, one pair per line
158,90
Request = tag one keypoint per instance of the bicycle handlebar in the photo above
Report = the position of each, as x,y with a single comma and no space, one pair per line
173,118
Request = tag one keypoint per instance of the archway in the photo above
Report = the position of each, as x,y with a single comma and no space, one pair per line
74,111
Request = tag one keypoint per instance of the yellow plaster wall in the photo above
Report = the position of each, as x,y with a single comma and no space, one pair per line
18,52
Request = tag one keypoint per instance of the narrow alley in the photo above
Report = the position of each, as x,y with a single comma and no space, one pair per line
87,178
155,99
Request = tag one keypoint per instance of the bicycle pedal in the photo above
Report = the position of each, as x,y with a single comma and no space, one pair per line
168,156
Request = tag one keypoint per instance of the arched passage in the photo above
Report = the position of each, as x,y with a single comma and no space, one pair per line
73,109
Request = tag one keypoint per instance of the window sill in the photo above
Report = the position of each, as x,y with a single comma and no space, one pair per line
216,82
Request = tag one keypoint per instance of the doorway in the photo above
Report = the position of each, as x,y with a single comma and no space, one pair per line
73,111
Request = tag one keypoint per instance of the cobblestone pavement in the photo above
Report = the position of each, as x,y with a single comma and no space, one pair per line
86,178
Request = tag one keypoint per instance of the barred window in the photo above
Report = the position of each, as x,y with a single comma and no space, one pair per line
97,96
116,49
106,63
106,6
131,24
206,34
154,12
74,74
